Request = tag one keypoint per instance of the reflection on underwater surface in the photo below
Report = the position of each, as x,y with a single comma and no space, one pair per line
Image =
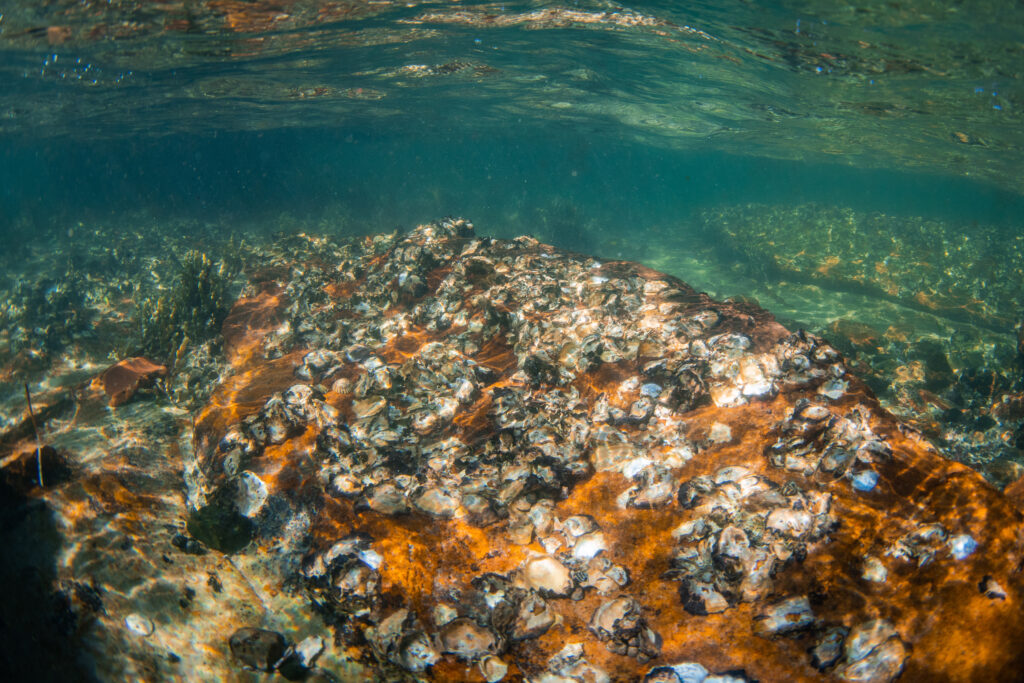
285,431
920,85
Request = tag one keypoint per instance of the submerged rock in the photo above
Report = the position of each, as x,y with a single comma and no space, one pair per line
257,648
122,380
220,525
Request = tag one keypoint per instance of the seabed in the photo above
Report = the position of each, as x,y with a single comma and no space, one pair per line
440,456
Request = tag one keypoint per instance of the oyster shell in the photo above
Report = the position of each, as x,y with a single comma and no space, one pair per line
619,623
792,614
467,639
547,576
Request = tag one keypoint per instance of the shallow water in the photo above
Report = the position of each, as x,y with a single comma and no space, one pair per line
854,169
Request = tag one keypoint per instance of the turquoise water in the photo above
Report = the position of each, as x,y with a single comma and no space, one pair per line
402,111
397,179
656,132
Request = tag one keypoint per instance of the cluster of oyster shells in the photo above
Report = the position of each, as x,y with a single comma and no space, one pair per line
743,529
548,437
815,440
346,576
473,382
498,611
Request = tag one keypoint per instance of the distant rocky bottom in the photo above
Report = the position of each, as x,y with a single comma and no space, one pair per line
953,371
436,456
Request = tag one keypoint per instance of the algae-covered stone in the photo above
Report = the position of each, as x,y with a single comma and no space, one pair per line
220,525
257,648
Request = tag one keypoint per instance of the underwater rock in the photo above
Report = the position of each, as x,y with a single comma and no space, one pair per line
691,672
687,672
829,647
874,653
219,524
121,380
20,474
507,458
257,648
309,649
790,615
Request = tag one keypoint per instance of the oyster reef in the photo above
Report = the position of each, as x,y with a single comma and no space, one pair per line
478,459
746,405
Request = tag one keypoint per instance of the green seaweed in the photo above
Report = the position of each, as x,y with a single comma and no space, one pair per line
190,312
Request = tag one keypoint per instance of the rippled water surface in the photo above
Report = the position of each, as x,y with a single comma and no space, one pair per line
913,85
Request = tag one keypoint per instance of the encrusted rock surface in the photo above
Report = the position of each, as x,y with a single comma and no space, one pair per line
443,457
486,460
